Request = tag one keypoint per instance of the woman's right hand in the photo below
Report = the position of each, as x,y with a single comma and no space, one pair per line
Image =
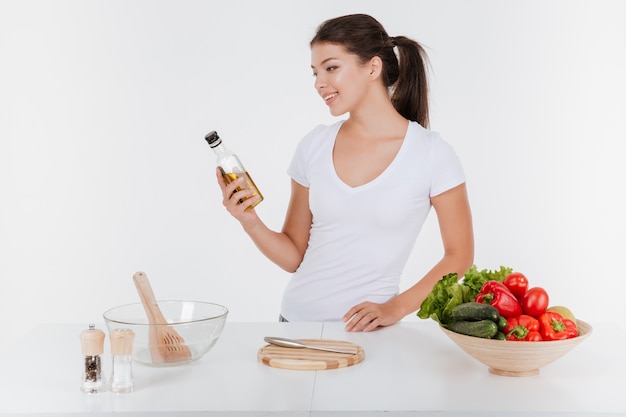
238,203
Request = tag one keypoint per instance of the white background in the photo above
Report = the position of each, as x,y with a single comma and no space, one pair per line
104,170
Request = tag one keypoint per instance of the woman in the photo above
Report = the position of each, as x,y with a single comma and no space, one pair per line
362,188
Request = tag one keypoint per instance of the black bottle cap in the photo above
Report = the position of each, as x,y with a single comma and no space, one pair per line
213,138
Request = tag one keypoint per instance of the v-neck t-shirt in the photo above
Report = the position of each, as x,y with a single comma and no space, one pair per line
361,237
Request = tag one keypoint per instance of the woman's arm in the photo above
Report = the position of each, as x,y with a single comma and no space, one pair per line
455,225
285,248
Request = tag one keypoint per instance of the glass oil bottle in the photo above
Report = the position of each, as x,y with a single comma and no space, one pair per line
231,166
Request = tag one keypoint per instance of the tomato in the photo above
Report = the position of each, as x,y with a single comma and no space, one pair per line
535,302
517,283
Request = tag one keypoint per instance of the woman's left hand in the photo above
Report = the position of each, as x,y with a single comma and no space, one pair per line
367,316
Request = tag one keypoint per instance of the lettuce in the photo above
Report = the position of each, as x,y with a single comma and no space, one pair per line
449,292
474,279
446,294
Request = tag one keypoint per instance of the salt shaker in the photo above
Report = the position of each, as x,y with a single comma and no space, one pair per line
92,342
122,380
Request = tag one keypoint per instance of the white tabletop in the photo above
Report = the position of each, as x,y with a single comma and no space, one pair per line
409,368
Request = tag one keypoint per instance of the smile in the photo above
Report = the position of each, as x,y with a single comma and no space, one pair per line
330,96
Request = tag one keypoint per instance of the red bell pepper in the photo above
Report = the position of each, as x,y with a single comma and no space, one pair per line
523,327
553,326
498,295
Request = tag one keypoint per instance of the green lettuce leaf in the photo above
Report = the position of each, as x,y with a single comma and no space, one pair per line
474,279
446,294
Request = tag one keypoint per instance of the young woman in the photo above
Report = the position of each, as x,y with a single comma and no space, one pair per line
362,188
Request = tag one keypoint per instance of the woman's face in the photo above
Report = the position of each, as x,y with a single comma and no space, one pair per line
340,79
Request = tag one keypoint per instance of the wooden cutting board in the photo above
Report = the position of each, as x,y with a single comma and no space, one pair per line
311,359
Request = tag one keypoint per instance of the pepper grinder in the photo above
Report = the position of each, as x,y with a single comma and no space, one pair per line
92,342
122,380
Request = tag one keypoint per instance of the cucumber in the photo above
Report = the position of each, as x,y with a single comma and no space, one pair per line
502,323
483,328
474,311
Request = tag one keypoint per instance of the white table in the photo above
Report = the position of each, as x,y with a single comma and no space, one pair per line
409,369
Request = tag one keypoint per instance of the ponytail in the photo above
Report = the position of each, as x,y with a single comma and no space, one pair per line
410,92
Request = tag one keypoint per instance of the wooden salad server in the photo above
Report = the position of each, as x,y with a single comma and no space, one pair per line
165,344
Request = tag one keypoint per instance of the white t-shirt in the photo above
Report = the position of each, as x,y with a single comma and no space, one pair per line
361,237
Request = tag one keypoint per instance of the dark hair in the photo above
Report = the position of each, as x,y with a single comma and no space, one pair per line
404,75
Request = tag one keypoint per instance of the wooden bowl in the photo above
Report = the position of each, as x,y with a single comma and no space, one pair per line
511,358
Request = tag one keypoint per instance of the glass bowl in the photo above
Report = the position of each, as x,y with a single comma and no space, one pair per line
198,323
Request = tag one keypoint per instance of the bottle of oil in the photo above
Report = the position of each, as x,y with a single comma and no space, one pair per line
231,166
